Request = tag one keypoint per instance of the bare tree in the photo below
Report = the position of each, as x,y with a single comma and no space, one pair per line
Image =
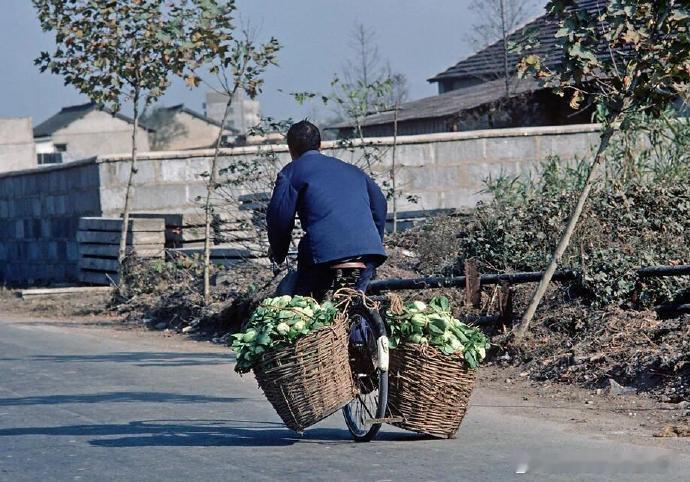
497,20
367,68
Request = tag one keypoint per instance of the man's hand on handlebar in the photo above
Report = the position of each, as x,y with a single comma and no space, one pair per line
275,265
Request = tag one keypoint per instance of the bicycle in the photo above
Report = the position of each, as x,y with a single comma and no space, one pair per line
368,352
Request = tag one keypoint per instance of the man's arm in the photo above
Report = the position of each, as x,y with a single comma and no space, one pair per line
378,204
280,217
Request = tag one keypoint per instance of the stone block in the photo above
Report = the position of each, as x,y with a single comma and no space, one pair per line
196,195
35,228
197,166
26,185
19,229
147,173
72,179
11,208
433,178
44,247
511,148
50,205
34,251
108,174
72,250
159,197
36,210
82,202
46,228
89,176
569,146
115,224
107,237
12,250
58,228
61,203
478,173
461,198
53,250
112,200
175,171
425,201
460,151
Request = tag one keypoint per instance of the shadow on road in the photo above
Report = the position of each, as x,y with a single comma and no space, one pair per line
197,433
116,397
142,359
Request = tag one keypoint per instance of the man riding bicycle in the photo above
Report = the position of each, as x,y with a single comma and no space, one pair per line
341,209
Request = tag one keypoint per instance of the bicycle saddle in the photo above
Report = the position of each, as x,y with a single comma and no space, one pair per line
349,265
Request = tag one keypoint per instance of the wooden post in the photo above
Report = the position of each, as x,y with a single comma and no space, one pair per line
473,293
505,304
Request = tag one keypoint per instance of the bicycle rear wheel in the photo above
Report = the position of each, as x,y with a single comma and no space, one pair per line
363,415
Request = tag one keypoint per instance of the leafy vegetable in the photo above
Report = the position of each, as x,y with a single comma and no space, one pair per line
278,322
433,324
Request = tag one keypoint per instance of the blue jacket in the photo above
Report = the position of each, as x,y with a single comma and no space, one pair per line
341,209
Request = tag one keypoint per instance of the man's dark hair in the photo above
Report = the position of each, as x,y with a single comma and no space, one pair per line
303,136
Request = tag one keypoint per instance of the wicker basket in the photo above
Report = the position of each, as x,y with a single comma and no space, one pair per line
308,381
430,391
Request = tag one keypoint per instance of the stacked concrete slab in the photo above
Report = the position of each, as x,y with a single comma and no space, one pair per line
99,245
181,230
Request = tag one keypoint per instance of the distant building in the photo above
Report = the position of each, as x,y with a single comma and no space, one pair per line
17,149
472,93
83,131
179,128
243,115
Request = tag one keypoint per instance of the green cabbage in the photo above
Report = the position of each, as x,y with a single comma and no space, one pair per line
278,322
434,324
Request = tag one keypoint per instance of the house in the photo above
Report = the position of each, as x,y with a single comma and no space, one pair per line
180,128
243,114
472,94
17,150
83,131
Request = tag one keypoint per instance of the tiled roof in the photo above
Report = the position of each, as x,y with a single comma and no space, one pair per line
181,108
450,103
67,115
488,62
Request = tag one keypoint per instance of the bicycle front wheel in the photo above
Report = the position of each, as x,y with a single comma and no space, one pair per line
365,413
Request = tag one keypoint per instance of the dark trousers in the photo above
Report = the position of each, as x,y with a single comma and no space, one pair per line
317,279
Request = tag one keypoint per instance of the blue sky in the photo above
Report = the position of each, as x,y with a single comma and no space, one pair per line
418,38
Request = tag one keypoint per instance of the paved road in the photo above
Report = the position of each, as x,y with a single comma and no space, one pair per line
79,404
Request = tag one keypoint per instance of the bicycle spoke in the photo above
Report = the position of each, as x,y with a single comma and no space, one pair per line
365,406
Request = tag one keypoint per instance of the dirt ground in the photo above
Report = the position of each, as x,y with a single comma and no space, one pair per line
630,416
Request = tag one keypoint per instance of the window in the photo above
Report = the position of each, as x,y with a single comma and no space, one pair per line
50,158
60,147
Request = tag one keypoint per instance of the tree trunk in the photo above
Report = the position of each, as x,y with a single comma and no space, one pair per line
504,37
207,206
393,169
522,328
122,253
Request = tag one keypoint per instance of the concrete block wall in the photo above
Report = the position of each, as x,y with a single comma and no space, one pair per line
39,216
167,182
442,170
448,170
